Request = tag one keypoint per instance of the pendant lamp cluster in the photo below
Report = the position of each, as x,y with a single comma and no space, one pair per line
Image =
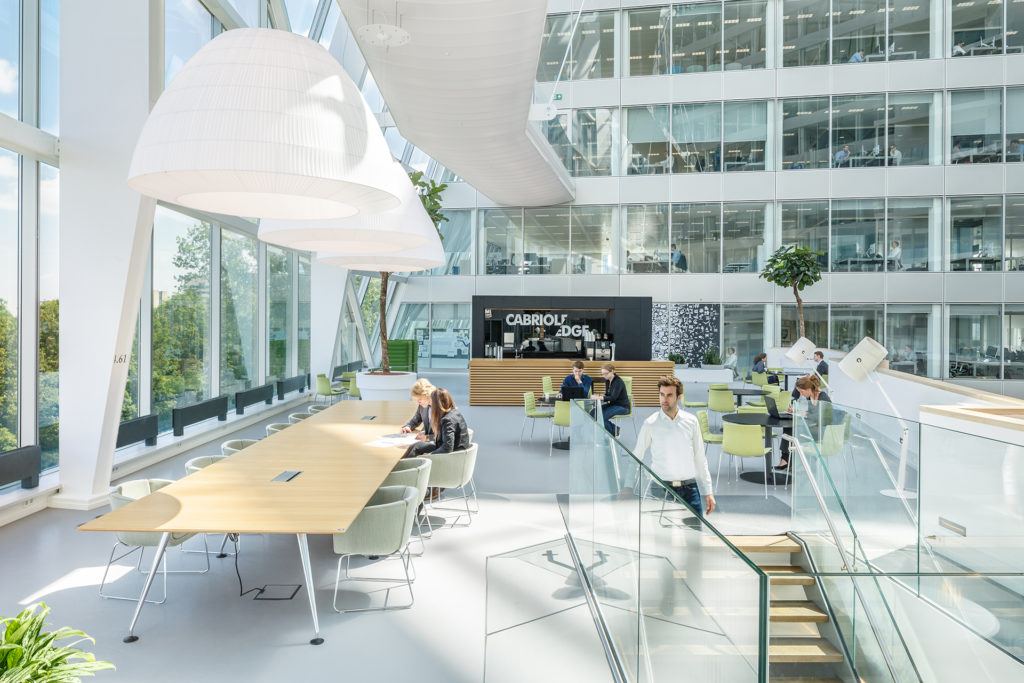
265,123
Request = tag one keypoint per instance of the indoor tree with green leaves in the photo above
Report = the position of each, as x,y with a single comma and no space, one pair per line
796,267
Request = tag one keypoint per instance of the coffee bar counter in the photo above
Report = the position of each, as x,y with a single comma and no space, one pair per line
502,382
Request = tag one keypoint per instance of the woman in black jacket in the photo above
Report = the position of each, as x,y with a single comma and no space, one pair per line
615,400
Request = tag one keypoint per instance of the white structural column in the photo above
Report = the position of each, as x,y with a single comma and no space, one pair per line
328,287
111,72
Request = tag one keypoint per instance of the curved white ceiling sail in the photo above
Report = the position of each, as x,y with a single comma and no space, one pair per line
459,81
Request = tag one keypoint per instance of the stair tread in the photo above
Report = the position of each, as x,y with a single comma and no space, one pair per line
765,544
802,650
795,610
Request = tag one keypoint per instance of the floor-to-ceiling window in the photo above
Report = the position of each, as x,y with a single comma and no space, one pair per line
239,293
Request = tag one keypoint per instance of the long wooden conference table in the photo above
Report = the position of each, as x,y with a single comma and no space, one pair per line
245,493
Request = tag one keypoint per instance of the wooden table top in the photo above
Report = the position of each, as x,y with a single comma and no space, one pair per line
339,474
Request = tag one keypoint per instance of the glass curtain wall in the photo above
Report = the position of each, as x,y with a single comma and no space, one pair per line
974,341
546,241
457,238
975,233
1014,239
239,301
48,404
647,240
909,334
695,238
806,224
592,234
744,229
696,136
279,312
9,272
646,45
501,240
858,236
976,126
182,335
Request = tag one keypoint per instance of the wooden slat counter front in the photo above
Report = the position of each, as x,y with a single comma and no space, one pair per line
494,382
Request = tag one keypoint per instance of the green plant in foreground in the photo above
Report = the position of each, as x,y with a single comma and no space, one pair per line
28,654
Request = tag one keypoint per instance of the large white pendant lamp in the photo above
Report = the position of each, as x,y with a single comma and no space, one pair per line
406,226
266,124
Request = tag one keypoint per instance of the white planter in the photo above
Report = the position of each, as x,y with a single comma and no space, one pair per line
393,387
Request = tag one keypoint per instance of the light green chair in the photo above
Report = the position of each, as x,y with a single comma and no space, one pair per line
383,529
234,445
559,419
139,540
414,472
196,464
745,441
353,390
295,418
313,410
692,404
455,471
546,386
721,401
324,388
628,381
531,414
275,427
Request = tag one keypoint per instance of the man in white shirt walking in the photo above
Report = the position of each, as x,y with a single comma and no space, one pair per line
677,449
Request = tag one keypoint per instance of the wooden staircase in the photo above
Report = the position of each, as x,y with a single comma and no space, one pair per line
796,648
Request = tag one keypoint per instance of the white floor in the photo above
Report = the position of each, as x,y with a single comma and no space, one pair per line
205,632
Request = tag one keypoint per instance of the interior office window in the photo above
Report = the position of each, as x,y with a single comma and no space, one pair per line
646,140
913,234
696,138
1015,123
744,226
182,335
805,134
9,203
805,32
745,128
910,29
976,126
743,330
10,58
647,41
457,239
239,301
858,31
815,324
647,245
975,344
975,233
1014,241
501,240
546,241
1013,342
49,66
593,46
744,43
556,132
554,47
413,322
304,301
858,236
858,131
695,238
697,37
912,127
279,312
595,136
450,335
849,324
806,224
49,314
592,236
977,28
187,27
911,338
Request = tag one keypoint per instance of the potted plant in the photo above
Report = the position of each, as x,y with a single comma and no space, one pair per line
712,360
28,653
382,384
796,267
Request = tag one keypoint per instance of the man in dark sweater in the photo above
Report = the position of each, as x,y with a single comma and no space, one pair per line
615,400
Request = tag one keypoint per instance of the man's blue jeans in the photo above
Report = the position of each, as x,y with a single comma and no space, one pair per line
608,412
691,494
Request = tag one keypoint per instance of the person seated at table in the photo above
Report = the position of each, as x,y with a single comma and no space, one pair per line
577,379
822,367
731,362
615,400
808,387
420,393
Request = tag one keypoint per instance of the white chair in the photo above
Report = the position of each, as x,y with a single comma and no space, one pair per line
382,528
234,445
413,472
455,471
295,418
136,540
275,427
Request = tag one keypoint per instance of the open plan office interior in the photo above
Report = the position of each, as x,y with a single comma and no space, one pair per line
507,340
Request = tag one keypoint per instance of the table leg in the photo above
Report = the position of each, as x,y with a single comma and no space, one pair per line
161,548
304,554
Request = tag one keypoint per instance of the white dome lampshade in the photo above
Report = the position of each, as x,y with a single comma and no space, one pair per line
406,226
800,351
863,359
266,124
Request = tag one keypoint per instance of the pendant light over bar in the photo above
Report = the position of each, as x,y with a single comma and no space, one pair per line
404,227
263,123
